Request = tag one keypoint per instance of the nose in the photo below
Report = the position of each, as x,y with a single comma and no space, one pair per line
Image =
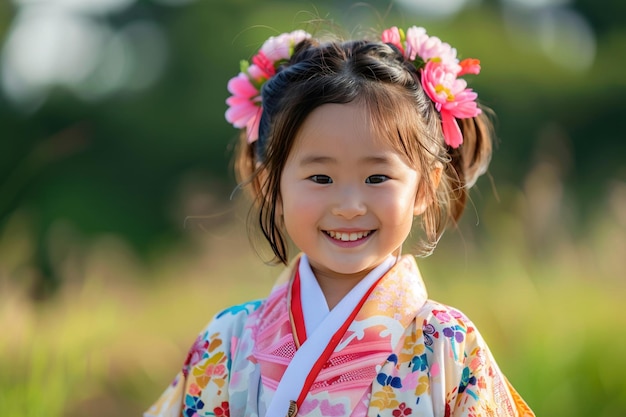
349,203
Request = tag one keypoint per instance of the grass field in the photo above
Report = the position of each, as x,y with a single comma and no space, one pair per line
549,305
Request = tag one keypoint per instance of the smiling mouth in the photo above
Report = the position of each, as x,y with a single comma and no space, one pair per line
348,237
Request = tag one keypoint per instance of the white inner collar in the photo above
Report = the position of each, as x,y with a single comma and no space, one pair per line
321,325
314,305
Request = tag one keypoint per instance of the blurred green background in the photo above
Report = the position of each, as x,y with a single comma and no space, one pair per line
119,238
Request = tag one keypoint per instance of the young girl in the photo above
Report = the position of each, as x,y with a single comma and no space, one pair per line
345,144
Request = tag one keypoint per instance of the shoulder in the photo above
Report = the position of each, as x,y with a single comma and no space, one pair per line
460,361
441,316
238,312
447,329
216,339
231,320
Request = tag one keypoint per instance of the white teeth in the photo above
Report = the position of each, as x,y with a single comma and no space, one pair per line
347,237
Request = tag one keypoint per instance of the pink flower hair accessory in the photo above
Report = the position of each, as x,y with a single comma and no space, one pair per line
244,105
439,70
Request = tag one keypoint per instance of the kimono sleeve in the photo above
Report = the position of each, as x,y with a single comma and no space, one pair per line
468,378
201,387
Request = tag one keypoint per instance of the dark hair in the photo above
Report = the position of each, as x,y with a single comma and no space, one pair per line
377,75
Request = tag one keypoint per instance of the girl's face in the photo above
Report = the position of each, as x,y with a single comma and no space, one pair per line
347,197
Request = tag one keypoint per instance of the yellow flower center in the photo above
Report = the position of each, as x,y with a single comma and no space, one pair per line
440,88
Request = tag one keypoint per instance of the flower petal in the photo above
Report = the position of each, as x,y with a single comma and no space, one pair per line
239,115
451,130
392,36
469,66
252,127
241,86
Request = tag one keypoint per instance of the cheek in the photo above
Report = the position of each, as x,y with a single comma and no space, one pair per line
301,222
398,207
299,207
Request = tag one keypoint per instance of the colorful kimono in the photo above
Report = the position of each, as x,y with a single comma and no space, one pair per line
399,354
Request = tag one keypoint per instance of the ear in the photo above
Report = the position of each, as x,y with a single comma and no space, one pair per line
422,200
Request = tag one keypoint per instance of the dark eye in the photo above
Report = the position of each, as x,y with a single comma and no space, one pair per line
376,179
321,179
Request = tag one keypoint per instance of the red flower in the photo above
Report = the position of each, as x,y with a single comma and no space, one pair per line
223,410
402,411
265,65
469,66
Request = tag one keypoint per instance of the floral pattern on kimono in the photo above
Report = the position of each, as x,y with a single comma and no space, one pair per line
444,368
403,355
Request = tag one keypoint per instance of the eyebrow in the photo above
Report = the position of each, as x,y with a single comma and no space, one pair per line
320,159
317,159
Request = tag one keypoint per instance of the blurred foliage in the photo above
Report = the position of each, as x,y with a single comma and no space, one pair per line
116,225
